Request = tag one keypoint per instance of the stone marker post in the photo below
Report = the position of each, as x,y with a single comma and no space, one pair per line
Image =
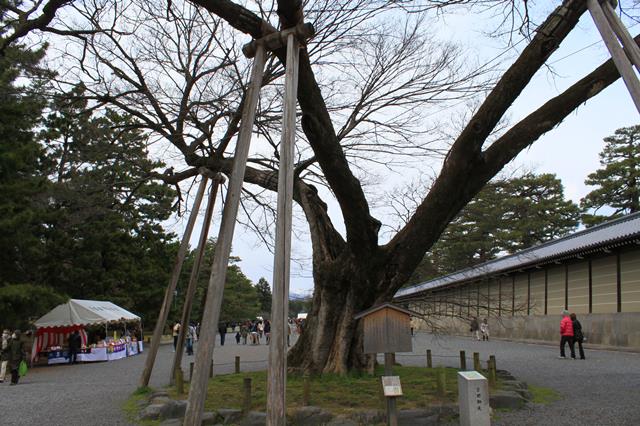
473,399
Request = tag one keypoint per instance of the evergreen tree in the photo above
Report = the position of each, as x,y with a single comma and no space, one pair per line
264,295
617,182
505,217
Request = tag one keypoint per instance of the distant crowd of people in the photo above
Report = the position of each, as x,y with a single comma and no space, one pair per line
248,332
11,355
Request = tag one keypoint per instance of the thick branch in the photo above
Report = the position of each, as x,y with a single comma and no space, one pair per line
25,26
361,228
464,173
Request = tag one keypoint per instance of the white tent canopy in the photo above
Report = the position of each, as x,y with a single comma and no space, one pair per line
84,312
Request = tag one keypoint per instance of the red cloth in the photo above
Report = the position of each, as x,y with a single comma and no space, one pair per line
566,327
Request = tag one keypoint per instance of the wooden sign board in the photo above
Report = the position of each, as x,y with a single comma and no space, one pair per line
387,329
391,386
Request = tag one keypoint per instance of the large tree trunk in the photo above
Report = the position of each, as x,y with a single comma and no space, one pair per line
332,340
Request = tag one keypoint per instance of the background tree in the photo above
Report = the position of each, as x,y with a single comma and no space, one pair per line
241,301
264,295
617,182
508,215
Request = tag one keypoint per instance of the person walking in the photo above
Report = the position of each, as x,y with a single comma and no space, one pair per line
192,336
484,329
475,328
566,335
16,355
578,336
4,354
244,331
222,329
260,329
75,342
267,330
175,333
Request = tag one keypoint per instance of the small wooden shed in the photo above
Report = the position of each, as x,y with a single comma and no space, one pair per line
387,329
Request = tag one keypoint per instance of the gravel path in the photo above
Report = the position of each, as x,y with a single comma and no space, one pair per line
603,390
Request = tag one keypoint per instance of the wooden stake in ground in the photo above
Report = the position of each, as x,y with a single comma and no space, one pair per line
193,279
213,302
171,288
277,368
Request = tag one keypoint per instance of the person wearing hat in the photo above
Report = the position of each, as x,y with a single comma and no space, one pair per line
4,354
566,334
16,354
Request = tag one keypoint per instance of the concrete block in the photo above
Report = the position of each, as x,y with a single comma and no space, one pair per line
506,399
473,399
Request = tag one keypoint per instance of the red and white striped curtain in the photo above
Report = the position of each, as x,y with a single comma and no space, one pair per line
55,336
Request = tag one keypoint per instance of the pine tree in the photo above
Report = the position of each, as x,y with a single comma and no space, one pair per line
505,217
617,182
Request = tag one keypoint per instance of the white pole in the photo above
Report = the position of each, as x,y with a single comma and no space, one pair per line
211,315
277,370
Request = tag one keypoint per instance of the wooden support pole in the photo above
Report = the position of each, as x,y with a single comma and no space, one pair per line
476,362
246,401
277,368
193,279
171,288
190,371
629,45
429,361
275,41
179,381
213,302
617,54
306,390
463,361
237,364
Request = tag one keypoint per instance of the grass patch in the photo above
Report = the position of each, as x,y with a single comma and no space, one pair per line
340,394
542,395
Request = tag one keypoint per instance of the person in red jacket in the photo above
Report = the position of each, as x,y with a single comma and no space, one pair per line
566,334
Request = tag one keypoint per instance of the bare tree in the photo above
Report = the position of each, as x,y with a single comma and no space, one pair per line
175,67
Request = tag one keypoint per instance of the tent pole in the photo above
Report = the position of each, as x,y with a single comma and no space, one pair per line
193,279
168,294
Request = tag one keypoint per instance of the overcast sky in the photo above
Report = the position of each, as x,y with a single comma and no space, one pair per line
570,151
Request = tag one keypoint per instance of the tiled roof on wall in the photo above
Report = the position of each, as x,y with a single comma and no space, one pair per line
609,234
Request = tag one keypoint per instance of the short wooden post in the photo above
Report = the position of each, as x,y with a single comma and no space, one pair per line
463,361
190,371
429,361
492,371
441,381
246,402
237,364
179,381
476,362
392,412
493,361
306,390
211,370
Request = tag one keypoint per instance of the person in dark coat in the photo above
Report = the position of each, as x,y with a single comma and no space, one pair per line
578,336
75,342
16,354
222,329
